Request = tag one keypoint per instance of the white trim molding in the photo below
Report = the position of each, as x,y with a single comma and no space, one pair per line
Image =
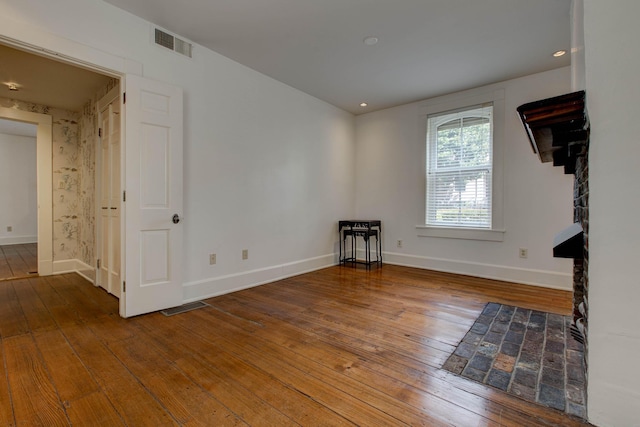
208,288
18,240
542,278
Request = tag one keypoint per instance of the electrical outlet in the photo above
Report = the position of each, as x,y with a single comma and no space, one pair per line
9,228
212,259
399,243
245,254
523,252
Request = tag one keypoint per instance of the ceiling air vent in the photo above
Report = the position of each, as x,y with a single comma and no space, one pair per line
172,42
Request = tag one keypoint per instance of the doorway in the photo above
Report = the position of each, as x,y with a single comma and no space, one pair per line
18,200
60,99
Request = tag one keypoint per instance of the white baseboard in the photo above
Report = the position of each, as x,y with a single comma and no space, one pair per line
208,288
18,240
546,279
74,266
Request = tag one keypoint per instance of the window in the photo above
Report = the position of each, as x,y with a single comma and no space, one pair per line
459,172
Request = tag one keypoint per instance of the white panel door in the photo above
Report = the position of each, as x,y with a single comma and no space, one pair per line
153,206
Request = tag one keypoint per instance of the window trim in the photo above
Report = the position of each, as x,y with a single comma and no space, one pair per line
484,111
458,102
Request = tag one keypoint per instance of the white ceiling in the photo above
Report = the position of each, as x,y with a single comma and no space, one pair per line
426,47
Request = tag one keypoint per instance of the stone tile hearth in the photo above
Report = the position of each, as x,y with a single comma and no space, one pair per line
527,353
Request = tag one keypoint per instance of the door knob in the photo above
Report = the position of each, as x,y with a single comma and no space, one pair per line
176,218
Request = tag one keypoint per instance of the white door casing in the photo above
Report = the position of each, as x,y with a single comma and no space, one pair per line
152,160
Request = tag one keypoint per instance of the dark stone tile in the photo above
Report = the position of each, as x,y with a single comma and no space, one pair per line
479,328
575,394
574,345
532,347
574,357
493,338
499,327
514,337
498,379
481,363
555,321
455,364
524,392
537,322
504,317
488,349
474,374
529,361
554,347
552,377
555,334
575,374
491,309
510,349
552,397
521,315
534,336
553,361
517,327
485,320
472,338
465,350
525,377
579,411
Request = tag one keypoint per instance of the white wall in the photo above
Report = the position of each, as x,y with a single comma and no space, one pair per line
612,69
18,190
267,168
390,184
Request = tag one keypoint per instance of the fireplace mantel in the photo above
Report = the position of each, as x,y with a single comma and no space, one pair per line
557,128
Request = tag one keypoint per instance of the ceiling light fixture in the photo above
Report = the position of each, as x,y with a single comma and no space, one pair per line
559,53
363,104
370,41
13,87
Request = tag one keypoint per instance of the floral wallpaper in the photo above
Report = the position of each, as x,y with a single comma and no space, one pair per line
73,179
87,163
65,177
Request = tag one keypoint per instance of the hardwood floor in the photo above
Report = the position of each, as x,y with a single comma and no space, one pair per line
336,347
18,261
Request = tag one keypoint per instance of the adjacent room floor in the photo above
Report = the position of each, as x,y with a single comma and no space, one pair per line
339,346
18,260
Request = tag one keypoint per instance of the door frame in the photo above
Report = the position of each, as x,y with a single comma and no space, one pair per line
44,188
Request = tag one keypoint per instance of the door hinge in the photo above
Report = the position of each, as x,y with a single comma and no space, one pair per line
98,263
124,97
124,286
100,132
124,196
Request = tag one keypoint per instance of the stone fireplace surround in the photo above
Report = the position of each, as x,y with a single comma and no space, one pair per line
558,129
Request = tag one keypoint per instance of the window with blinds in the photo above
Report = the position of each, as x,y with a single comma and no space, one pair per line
459,167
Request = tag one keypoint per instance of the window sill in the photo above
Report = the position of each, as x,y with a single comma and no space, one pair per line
461,233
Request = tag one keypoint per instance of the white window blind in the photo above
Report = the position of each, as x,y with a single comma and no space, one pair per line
459,167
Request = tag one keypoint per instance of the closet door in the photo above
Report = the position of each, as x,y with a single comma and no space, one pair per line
109,195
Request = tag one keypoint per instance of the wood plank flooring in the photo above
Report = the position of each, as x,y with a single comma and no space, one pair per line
18,261
335,347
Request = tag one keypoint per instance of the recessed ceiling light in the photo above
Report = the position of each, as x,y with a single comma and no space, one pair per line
559,53
370,41
363,104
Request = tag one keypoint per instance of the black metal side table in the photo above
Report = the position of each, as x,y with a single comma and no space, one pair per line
360,228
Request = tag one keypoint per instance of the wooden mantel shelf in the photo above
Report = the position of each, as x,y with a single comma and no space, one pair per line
557,128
